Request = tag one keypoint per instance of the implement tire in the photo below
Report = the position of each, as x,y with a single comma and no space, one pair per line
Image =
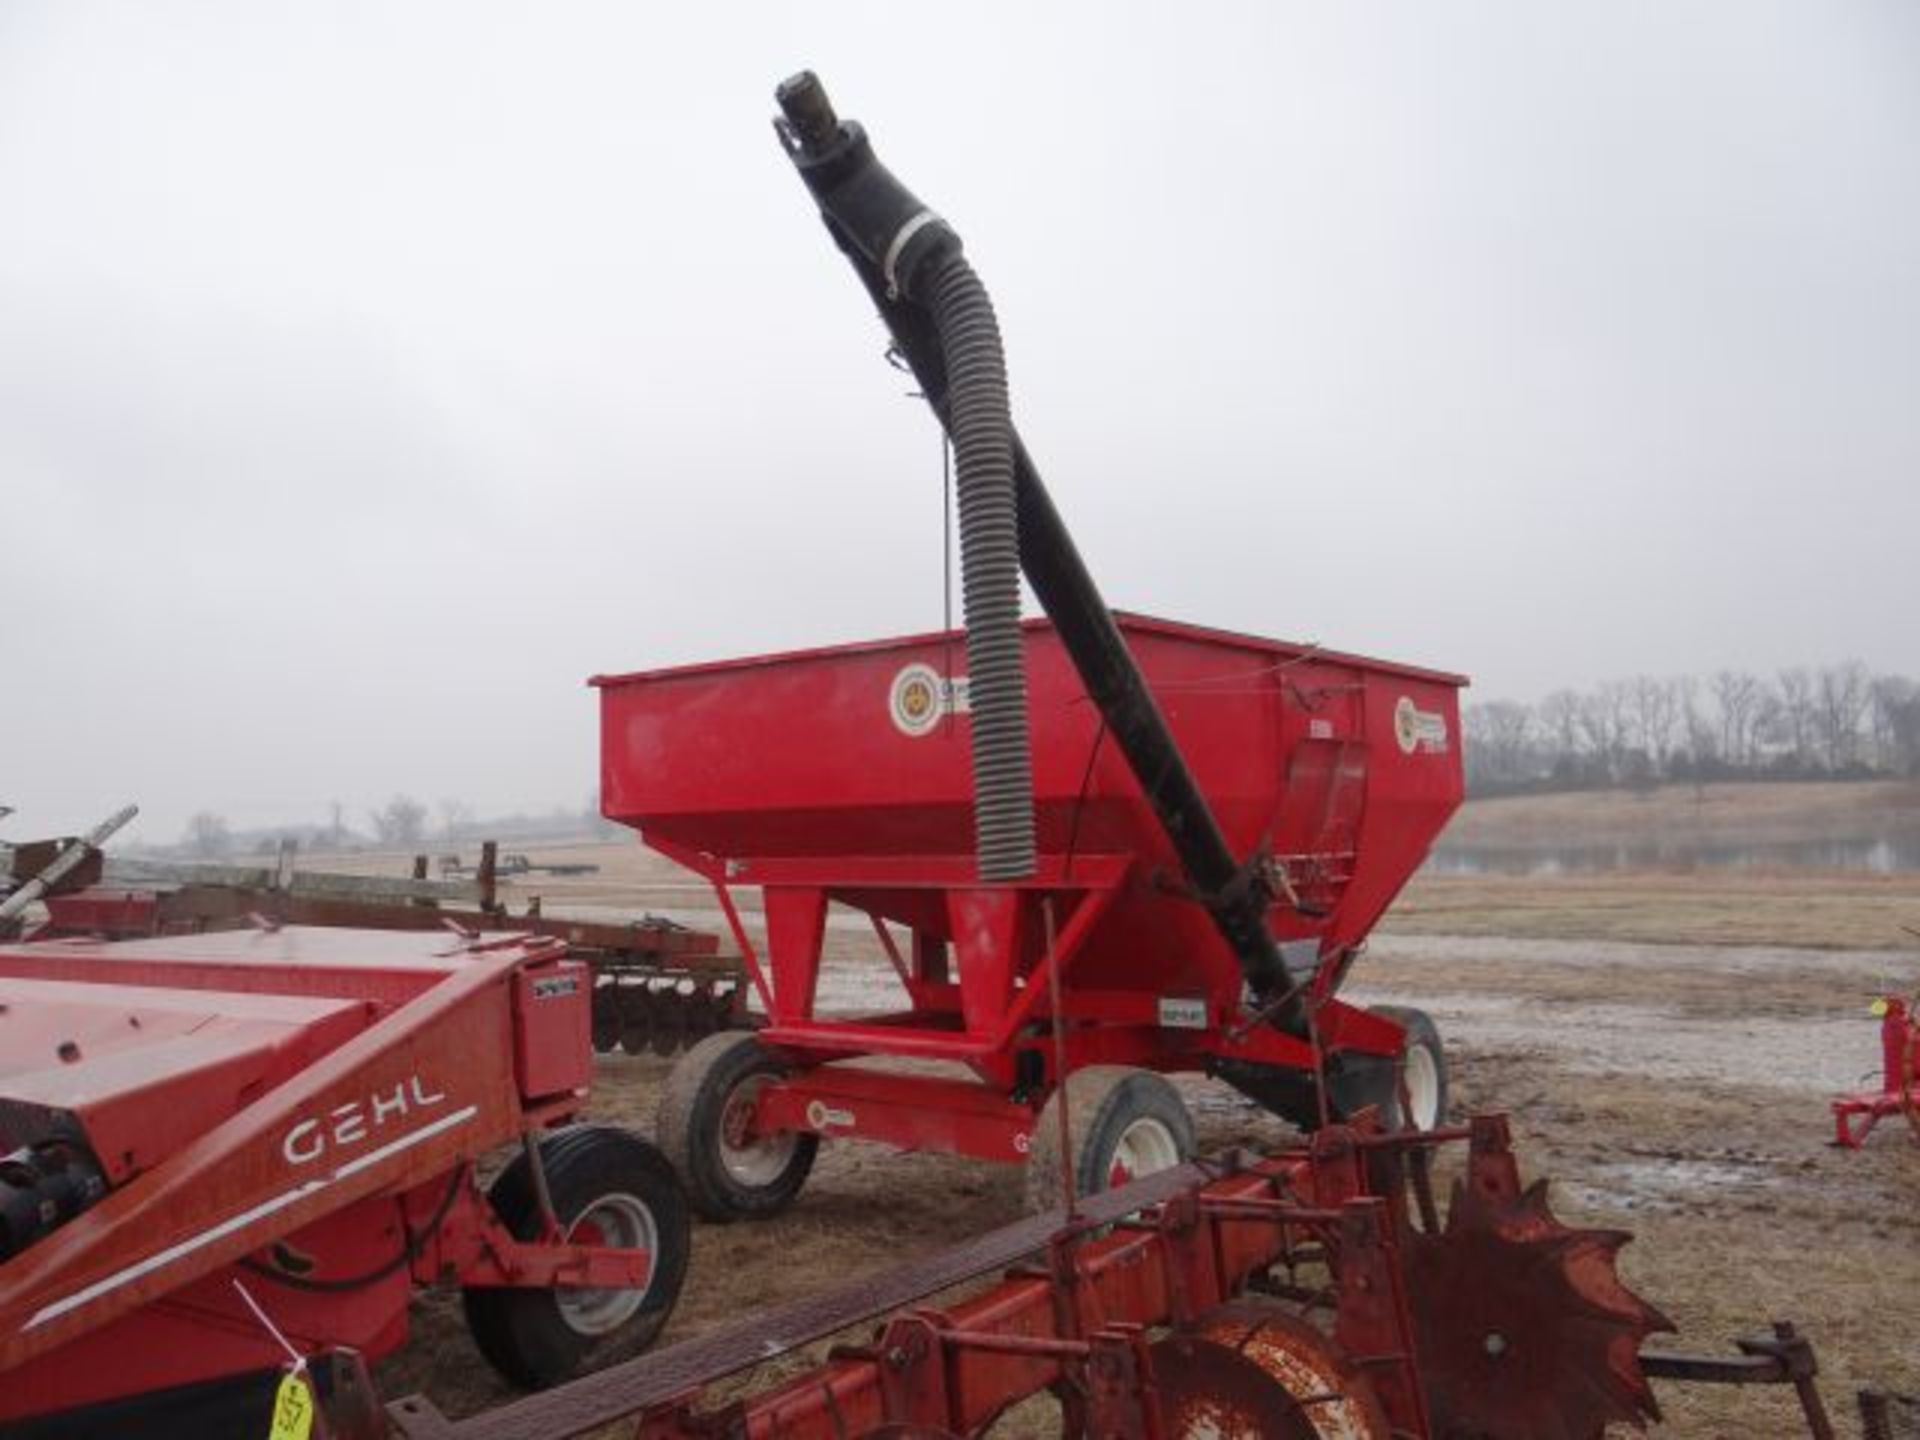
1423,1071
609,1187
1126,1123
701,1126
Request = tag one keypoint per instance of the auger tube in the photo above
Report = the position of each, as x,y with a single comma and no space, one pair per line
896,246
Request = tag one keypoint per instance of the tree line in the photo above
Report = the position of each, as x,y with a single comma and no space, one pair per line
403,823
1828,722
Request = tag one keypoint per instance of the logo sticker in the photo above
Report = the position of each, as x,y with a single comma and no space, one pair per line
1418,729
357,1121
921,696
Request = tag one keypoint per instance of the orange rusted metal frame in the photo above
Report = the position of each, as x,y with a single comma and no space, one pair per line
1079,1315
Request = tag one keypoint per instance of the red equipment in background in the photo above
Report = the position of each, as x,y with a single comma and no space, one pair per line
1855,1115
657,986
841,775
296,1113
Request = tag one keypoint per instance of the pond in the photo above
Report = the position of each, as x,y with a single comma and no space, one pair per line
1892,853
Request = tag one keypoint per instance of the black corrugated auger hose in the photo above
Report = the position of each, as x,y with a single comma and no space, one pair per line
898,248
908,252
980,424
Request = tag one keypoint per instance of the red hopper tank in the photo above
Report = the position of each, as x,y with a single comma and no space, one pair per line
842,775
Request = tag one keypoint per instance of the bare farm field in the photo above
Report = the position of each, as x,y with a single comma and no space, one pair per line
1815,909
1751,813
1665,1046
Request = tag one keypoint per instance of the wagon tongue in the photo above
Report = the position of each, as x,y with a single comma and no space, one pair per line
909,260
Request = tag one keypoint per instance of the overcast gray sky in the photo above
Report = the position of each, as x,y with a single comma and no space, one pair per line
372,374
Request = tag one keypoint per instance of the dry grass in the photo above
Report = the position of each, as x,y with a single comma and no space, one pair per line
1734,907
1754,814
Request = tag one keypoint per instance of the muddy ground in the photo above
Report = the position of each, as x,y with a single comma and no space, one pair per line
1678,1091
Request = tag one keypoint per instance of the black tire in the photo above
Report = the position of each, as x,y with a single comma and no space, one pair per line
1424,1059
724,1069
1104,1103
536,1338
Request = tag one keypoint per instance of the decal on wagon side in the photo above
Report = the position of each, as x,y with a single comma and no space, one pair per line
921,697
1417,729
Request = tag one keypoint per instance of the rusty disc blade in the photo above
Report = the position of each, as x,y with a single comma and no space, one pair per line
1525,1329
606,1017
1252,1370
669,1021
636,1018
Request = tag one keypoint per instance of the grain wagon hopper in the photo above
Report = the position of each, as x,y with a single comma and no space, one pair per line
813,778
1096,849
223,1150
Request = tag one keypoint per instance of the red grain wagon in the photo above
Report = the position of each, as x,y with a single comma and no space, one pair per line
841,776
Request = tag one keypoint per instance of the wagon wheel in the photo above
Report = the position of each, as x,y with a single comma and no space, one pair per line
636,1018
1419,1099
669,1021
1125,1124
704,1126
606,1016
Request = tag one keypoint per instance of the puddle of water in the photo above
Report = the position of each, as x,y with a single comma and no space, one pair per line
1470,950
1891,853
1802,1056
1667,1185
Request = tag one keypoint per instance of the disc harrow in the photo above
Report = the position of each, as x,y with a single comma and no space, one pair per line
659,987
1298,1296
643,1012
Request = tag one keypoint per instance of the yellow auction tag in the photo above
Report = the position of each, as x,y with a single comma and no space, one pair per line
292,1408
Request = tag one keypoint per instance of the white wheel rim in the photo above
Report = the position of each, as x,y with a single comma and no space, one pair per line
753,1161
1421,1075
1145,1147
620,1222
